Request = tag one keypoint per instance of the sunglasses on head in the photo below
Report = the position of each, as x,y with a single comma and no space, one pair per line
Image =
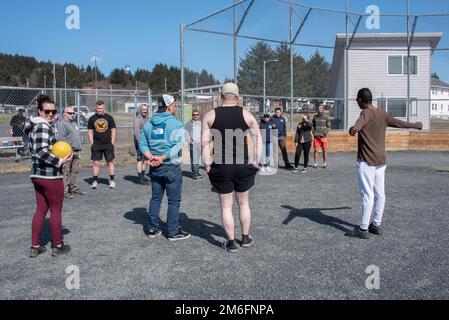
53,112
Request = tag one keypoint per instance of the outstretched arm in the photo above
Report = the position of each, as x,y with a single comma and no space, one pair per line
396,123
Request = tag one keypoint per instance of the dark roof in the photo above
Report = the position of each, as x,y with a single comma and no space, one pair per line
438,83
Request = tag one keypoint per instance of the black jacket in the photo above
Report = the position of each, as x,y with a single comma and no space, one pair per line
304,129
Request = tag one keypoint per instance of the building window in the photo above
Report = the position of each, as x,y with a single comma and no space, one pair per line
397,65
397,107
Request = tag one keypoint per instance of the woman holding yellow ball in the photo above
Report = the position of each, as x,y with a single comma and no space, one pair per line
46,175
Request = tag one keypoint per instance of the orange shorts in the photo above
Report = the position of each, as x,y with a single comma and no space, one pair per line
320,143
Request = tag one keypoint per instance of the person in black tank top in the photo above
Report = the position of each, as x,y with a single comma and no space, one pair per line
230,127
229,164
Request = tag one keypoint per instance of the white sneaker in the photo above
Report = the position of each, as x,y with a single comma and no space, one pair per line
263,170
94,185
111,184
269,169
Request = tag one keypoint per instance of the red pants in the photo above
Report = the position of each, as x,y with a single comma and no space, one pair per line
49,195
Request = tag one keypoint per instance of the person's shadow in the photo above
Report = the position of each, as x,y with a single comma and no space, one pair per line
187,174
196,227
100,181
202,229
316,215
46,233
140,216
135,180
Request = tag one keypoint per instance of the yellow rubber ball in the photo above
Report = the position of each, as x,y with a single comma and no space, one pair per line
61,149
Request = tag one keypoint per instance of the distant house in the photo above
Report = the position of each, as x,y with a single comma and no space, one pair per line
379,61
439,95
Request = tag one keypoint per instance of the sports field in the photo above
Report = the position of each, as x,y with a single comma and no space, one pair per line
299,222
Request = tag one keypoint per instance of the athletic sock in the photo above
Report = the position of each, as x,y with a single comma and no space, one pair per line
112,178
140,175
245,237
96,178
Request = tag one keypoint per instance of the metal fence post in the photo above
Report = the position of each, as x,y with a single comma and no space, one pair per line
78,103
150,104
182,71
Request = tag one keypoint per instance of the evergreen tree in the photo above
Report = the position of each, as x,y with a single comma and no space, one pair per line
250,76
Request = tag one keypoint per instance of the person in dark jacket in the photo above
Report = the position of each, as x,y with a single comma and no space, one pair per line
279,122
265,128
303,142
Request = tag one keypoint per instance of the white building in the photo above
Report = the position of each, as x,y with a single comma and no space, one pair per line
439,106
378,61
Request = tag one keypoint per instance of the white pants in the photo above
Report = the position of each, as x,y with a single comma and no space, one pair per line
372,193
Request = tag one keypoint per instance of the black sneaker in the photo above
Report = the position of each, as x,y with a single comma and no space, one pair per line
247,241
230,246
358,233
195,177
181,235
200,176
35,252
375,230
154,234
58,251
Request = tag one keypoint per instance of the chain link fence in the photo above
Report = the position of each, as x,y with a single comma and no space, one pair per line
18,104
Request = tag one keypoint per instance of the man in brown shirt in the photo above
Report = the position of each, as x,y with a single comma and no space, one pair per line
371,161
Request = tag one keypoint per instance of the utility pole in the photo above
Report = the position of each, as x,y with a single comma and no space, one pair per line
264,83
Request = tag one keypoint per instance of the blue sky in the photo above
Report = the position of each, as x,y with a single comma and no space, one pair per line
141,33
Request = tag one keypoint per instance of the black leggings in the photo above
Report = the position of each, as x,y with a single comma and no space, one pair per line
299,149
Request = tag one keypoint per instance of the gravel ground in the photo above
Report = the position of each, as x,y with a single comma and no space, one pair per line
299,222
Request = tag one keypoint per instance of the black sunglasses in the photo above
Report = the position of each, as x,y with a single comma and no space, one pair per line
196,115
71,113
53,112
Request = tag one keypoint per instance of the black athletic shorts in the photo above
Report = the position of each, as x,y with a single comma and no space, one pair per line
100,150
229,178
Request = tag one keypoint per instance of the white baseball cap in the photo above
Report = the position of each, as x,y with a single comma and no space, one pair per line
165,100
231,88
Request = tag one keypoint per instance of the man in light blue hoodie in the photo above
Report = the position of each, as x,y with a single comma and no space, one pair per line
161,142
